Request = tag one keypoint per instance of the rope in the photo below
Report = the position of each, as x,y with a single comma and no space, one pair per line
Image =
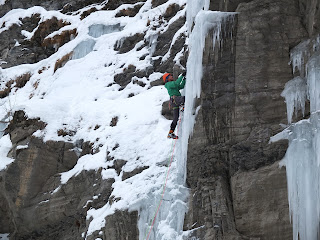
165,184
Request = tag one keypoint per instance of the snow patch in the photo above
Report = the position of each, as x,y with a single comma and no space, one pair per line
5,146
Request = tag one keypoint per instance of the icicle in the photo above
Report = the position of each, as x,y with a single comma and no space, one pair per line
316,44
313,73
303,177
302,159
295,93
193,7
298,55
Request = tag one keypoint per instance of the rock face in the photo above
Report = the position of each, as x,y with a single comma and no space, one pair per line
35,204
260,206
241,108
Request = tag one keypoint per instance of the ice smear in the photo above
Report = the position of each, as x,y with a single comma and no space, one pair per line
83,49
295,93
98,30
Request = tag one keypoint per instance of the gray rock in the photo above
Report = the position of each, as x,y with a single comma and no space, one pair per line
34,50
310,10
241,108
167,111
259,203
64,5
118,164
136,171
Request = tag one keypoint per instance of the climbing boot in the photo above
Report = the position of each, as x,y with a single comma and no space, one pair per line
172,135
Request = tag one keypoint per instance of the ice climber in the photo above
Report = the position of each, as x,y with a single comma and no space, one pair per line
176,100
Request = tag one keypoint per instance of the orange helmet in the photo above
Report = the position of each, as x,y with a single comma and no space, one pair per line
166,76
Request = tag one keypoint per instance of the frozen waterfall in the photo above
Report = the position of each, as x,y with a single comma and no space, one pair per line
168,224
83,48
205,22
302,159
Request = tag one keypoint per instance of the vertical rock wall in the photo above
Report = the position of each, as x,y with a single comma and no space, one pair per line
241,108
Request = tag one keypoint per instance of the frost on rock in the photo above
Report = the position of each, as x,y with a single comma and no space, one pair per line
98,30
295,93
83,49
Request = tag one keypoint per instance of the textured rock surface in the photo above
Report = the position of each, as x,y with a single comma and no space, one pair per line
15,49
66,5
241,108
260,202
35,205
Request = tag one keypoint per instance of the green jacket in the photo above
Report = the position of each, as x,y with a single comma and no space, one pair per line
173,87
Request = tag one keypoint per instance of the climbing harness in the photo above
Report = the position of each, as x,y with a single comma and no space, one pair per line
164,185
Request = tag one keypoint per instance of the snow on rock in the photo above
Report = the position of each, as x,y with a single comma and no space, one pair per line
5,146
81,96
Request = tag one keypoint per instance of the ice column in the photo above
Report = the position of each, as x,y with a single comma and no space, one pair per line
303,177
193,7
302,159
169,222
204,22
313,75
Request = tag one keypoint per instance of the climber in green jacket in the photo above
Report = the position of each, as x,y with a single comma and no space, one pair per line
176,100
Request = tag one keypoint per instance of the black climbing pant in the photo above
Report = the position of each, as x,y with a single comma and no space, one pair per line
176,101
